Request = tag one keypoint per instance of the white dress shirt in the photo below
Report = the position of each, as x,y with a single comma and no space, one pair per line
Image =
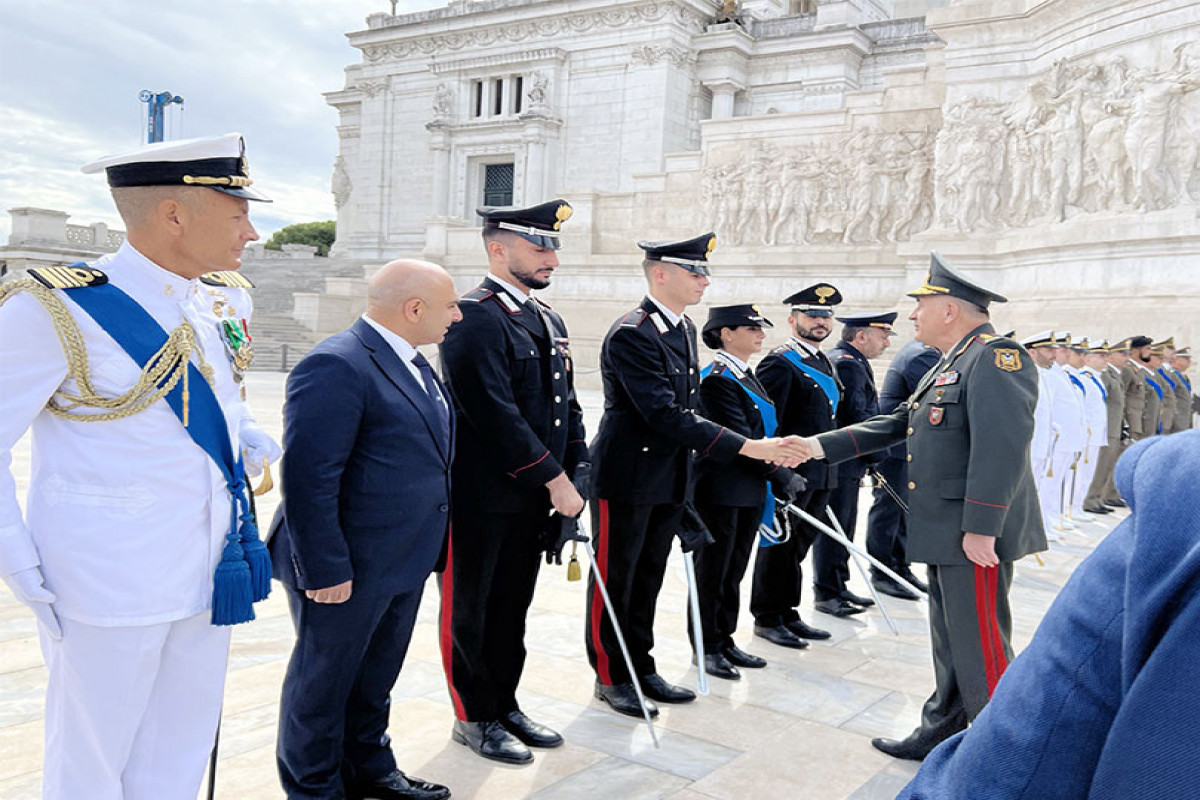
405,351
671,316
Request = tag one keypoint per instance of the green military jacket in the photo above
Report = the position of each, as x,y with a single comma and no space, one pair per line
968,427
1135,398
1152,409
1112,379
1183,403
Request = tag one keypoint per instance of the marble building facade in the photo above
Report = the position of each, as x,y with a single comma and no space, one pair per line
1047,146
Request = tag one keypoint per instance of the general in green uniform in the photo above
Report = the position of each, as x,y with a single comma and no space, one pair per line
972,501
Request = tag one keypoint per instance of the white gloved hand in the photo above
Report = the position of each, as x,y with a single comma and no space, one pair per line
257,447
29,588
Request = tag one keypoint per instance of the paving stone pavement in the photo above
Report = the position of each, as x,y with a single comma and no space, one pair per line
800,728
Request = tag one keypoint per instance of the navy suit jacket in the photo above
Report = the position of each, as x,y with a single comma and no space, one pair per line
366,470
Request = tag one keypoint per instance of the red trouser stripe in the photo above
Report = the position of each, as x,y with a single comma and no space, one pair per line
997,642
985,614
445,639
597,598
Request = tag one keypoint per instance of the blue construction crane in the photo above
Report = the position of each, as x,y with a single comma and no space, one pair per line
155,104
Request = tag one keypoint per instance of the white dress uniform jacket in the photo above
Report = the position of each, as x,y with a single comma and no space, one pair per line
126,517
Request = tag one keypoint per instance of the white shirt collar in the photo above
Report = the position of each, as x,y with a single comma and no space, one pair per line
397,342
155,277
671,316
807,346
734,361
519,294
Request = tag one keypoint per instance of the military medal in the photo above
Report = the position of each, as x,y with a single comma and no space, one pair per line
235,335
947,378
935,415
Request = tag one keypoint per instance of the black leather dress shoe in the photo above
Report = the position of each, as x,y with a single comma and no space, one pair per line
1115,503
914,748
491,740
806,631
892,589
624,700
838,607
740,658
396,786
857,599
780,635
655,687
914,580
531,733
1098,509
718,666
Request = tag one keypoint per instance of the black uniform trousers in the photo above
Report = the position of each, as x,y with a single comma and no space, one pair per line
632,545
487,588
887,527
970,628
720,568
831,561
333,716
778,576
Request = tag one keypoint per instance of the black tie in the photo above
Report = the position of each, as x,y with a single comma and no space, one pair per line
531,306
431,388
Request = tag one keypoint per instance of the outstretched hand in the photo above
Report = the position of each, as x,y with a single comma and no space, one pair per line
787,451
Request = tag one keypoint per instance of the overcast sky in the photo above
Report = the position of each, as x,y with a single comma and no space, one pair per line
72,72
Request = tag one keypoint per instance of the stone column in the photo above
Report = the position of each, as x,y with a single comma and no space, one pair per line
535,168
439,143
723,92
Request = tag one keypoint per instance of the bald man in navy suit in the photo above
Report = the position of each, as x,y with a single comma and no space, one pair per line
368,439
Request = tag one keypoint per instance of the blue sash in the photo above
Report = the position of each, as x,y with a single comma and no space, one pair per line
1184,379
768,534
1099,386
1078,383
1167,377
1154,385
243,576
826,381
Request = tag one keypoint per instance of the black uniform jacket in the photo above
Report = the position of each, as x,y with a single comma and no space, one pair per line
643,451
907,369
801,404
968,424
519,424
741,481
860,400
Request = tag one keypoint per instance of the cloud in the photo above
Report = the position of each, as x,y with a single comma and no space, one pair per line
73,72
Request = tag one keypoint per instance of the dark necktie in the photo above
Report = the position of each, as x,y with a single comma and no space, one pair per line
531,306
431,388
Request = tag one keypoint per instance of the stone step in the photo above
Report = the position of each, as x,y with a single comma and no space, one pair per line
279,342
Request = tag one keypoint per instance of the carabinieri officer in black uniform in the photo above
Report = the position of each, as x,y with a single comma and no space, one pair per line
864,336
642,464
806,392
732,496
520,443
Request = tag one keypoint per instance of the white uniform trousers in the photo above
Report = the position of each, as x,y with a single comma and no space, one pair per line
131,712
1086,471
1053,489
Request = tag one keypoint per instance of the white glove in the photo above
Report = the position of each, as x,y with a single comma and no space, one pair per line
29,588
257,447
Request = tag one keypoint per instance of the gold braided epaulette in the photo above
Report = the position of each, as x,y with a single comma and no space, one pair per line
227,278
73,277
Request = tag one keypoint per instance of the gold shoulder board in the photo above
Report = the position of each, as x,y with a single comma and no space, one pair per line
76,276
228,278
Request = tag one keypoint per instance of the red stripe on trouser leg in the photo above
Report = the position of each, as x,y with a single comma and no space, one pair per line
597,615
445,639
984,613
997,642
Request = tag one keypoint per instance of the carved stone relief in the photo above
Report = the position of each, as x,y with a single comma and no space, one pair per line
340,183
1087,138
648,55
868,187
443,103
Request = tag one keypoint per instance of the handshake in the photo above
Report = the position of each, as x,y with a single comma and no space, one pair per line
785,451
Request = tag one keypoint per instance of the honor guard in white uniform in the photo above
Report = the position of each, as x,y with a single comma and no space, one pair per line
138,546
1045,434
1084,362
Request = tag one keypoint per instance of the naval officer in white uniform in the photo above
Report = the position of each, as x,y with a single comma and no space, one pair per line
128,516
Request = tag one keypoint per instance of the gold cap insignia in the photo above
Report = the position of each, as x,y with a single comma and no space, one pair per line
824,293
712,243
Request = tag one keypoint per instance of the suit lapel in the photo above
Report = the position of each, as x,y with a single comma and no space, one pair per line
393,368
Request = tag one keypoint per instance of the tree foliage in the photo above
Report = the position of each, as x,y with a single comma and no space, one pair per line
318,234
